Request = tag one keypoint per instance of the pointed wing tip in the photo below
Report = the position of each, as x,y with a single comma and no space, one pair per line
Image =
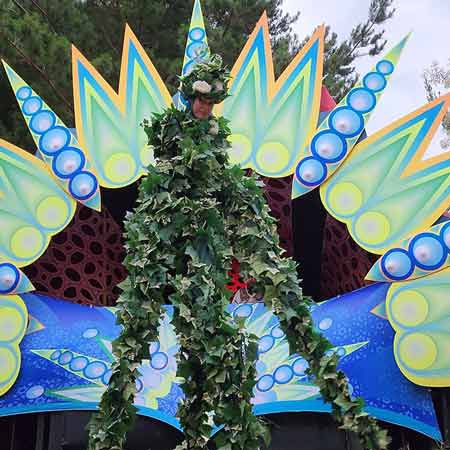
263,20
94,202
373,277
321,29
76,54
129,32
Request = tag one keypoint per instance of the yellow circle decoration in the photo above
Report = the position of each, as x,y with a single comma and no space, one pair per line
241,148
52,212
409,308
8,365
146,156
27,243
372,228
272,157
12,323
418,351
345,199
120,168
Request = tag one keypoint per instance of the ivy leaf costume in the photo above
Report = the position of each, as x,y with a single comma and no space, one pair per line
194,215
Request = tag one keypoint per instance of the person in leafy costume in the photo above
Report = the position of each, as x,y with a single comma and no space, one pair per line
195,214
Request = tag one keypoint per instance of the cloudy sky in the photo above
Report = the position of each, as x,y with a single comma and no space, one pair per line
429,21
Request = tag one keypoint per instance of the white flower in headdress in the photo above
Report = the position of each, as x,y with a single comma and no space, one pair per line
218,86
201,86
214,130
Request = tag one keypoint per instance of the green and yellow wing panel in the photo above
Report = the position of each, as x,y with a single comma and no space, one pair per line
271,121
57,146
33,207
386,192
419,312
109,123
339,132
13,325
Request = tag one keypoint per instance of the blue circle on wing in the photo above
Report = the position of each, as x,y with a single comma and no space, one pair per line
374,81
283,374
95,369
265,343
187,69
55,355
65,358
197,50
90,333
299,366
154,347
159,360
9,278
78,363
385,67
277,332
68,162
34,392
107,376
428,251
243,311
23,93
311,171
341,352
325,323
396,264
42,121
83,185
54,140
31,106
328,146
445,235
346,121
139,385
197,34
361,100
265,383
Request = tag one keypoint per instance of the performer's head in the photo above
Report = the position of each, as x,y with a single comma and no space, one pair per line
202,107
205,86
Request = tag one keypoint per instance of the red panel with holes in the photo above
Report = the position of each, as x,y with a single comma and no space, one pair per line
83,263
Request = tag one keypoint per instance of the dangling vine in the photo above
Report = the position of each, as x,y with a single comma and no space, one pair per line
194,214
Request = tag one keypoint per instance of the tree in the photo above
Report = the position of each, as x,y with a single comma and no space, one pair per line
436,78
35,40
365,39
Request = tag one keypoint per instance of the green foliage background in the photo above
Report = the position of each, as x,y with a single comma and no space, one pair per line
35,38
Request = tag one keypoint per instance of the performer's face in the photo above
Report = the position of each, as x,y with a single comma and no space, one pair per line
202,108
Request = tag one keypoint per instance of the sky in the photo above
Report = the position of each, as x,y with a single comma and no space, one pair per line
429,22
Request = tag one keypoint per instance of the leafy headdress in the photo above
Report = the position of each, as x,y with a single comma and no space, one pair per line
208,80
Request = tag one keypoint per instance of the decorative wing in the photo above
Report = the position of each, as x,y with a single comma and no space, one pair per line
386,192
13,324
109,124
337,134
419,312
32,206
32,209
416,257
272,121
197,48
58,147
